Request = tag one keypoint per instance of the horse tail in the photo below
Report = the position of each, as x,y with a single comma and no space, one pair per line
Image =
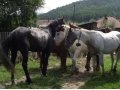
5,60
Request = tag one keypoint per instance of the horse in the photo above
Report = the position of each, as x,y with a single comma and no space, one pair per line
26,39
5,60
60,38
98,43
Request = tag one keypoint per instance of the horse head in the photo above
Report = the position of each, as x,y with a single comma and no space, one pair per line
61,34
54,24
64,33
74,26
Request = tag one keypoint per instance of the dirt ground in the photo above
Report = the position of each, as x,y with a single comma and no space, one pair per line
73,82
77,80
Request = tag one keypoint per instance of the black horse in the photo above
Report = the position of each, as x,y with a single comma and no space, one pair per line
5,60
26,39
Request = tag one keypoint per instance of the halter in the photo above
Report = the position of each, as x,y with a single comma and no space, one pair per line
66,37
78,44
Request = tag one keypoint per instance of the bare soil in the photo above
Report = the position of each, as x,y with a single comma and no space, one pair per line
72,82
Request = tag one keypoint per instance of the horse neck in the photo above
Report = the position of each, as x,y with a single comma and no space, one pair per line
51,30
84,36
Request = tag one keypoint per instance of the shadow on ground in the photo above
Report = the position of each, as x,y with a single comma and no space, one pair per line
110,81
55,79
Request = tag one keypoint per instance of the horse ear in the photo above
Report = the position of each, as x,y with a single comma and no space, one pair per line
62,18
70,25
73,26
70,29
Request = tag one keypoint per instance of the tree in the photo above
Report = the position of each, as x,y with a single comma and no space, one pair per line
14,13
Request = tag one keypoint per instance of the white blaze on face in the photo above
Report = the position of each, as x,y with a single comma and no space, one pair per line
59,37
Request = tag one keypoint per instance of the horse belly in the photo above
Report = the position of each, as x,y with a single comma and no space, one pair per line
37,45
111,46
39,40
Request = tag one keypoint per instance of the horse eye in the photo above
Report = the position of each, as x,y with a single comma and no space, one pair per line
57,33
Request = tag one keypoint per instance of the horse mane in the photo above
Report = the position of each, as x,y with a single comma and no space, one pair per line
73,26
55,22
105,30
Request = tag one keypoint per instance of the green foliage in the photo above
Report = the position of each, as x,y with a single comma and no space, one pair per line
86,10
15,13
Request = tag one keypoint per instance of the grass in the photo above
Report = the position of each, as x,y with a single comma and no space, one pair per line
110,81
56,78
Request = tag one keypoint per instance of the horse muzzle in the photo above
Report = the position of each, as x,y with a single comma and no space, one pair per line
78,44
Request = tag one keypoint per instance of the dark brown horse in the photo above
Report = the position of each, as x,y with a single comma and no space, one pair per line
26,39
61,52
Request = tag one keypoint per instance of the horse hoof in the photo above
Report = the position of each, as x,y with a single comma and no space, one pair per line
97,68
88,68
13,82
28,81
114,70
75,71
44,74
103,76
63,69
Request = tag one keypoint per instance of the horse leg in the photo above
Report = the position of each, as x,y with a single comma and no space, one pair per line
98,65
13,59
63,62
101,63
24,65
94,63
45,62
112,60
117,58
41,63
87,66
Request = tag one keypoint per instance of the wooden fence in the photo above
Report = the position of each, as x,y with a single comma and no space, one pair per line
3,35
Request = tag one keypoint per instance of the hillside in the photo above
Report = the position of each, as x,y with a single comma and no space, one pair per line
85,10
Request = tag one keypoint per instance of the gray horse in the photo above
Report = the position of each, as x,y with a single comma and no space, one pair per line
97,42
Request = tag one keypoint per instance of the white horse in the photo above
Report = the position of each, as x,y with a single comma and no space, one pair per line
74,50
98,43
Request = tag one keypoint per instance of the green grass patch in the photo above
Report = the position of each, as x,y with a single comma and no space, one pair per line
56,78
110,81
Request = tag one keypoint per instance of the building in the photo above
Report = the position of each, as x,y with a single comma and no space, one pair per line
105,22
111,22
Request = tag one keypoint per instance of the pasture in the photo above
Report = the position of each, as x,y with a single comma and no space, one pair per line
61,79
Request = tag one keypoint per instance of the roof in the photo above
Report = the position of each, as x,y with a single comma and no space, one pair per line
109,21
43,22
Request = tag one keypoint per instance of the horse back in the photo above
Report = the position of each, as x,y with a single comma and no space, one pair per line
34,40
40,40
